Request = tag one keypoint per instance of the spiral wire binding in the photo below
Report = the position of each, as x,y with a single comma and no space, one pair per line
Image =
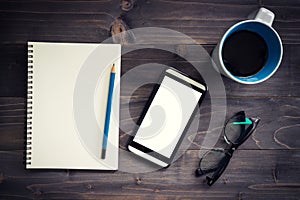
29,106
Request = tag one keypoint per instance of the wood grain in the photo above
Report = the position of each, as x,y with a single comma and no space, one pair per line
272,179
266,166
74,21
284,83
277,130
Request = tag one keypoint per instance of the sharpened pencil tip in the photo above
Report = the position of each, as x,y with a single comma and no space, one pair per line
103,153
113,69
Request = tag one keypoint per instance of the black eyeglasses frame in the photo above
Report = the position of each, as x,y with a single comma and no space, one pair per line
223,163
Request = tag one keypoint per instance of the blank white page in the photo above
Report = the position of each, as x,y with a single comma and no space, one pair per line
56,141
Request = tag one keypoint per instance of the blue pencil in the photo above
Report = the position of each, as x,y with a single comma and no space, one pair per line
108,111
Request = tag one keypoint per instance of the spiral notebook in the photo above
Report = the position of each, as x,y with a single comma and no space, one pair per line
66,103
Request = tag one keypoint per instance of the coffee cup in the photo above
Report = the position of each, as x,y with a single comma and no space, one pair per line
250,51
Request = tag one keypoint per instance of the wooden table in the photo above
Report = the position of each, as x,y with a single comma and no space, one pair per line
266,166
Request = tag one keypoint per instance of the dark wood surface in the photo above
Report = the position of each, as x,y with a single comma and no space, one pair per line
266,166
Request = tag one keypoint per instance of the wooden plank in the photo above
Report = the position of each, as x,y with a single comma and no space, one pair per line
13,71
12,123
266,166
247,177
57,20
286,14
212,18
274,87
278,129
78,21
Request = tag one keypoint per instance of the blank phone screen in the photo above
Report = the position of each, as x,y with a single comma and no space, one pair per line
167,116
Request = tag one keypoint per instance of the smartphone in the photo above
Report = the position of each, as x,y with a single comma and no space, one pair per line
166,117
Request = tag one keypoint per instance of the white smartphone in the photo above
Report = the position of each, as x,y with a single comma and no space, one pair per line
166,117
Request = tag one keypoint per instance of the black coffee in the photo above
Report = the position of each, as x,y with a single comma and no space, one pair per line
244,53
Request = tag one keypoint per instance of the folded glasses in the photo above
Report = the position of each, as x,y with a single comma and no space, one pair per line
236,131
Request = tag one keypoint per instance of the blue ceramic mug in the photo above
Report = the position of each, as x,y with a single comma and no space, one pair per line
262,25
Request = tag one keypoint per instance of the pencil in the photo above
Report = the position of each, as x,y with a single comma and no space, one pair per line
108,111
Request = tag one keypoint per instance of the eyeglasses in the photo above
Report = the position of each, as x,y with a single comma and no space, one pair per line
236,131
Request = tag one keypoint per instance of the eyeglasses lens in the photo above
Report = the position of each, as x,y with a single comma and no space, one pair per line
234,128
211,160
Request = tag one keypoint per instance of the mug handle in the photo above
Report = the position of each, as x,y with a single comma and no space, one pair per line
265,16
